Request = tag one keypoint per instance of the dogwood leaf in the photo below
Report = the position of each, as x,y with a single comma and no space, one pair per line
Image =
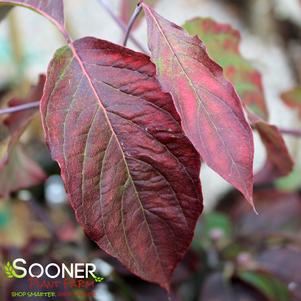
211,112
131,174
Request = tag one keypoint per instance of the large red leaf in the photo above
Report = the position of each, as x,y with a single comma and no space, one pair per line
51,9
211,112
222,42
131,174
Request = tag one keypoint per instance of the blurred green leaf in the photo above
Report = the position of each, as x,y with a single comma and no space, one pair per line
216,221
291,182
271,287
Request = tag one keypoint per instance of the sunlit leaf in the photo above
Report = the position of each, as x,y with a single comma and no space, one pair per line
211,112
223,42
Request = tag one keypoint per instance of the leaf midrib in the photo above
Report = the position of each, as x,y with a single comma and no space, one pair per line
76,55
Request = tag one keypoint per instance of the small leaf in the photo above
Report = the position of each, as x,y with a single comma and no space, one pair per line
131,175
211,112
280,161
9,271
51,9
292,99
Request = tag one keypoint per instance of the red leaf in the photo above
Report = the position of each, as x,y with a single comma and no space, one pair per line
131,175
51,9
279,161
15,124
16,169
222,42
20,172
277,153
211,112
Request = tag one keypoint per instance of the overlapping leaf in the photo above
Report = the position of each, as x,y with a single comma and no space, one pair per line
51,9
131,174
222,42
292,99
211,112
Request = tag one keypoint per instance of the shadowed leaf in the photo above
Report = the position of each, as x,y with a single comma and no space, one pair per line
131,174
211,112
